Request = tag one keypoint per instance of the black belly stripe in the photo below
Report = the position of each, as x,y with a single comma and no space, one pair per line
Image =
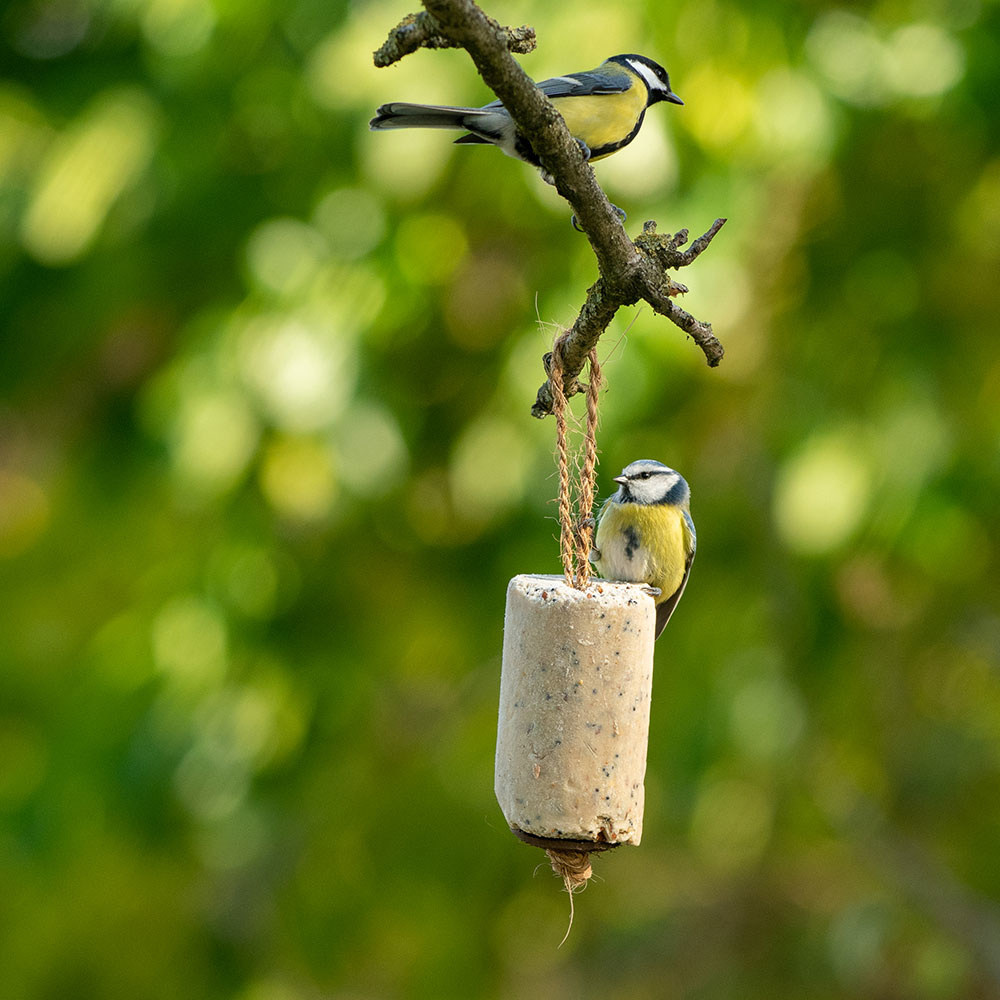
612,146
524,150
631,541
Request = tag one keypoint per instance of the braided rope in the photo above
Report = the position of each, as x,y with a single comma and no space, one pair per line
575,534
566,541
588,477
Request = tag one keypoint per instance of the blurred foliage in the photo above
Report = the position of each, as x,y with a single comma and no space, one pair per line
266,466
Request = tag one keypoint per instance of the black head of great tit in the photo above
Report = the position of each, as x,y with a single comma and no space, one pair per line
603,109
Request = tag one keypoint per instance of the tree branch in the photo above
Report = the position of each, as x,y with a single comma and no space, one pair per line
629,271
574,345
659,252
422,30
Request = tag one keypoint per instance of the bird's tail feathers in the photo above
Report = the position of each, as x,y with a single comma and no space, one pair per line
399,115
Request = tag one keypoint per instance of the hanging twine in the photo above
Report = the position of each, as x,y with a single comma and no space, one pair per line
588,475
573,867
575,533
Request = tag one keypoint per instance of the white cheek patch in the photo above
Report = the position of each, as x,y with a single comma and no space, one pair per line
655,489
652,80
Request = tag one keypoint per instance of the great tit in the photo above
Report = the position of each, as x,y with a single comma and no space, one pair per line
603,109
645,534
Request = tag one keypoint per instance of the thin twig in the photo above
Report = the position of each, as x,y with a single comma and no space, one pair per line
701,333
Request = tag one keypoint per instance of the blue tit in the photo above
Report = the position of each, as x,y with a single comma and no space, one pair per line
645,534
603,109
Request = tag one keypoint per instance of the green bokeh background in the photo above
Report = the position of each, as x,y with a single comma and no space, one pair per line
266,466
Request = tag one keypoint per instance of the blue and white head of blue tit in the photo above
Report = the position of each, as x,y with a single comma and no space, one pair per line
645,534
603,109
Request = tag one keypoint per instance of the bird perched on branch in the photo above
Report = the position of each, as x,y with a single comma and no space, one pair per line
603,109
645,534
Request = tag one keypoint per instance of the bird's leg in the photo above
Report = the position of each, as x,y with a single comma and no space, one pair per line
549,179
652,591
585,149
621,215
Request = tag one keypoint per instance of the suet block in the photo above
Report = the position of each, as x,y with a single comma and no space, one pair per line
575,689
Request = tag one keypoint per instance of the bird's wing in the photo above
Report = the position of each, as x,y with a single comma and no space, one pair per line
665,609
593,81
692,534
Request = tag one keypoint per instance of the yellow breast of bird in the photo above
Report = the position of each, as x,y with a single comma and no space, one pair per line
603,120
643,544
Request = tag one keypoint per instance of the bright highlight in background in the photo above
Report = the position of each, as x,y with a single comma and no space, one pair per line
300,368
213,439
85,171
917,60
923,61
822,493
190,645
284,255
178,27
352,220
298,479
372,452
489,468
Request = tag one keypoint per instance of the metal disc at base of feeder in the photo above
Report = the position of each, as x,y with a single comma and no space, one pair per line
573,725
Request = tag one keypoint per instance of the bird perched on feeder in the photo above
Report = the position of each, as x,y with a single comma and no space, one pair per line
645,534
603,109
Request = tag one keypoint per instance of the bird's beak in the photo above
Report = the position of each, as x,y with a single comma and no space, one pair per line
672,97
621,480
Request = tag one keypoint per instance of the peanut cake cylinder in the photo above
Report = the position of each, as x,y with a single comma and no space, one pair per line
573,726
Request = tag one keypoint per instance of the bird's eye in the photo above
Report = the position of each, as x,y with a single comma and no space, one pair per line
644,475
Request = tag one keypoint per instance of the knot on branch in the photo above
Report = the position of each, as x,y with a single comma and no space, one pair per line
423,30
571,384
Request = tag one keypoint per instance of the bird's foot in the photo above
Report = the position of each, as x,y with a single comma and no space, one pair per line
621,215
595,557
652,591
549,179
